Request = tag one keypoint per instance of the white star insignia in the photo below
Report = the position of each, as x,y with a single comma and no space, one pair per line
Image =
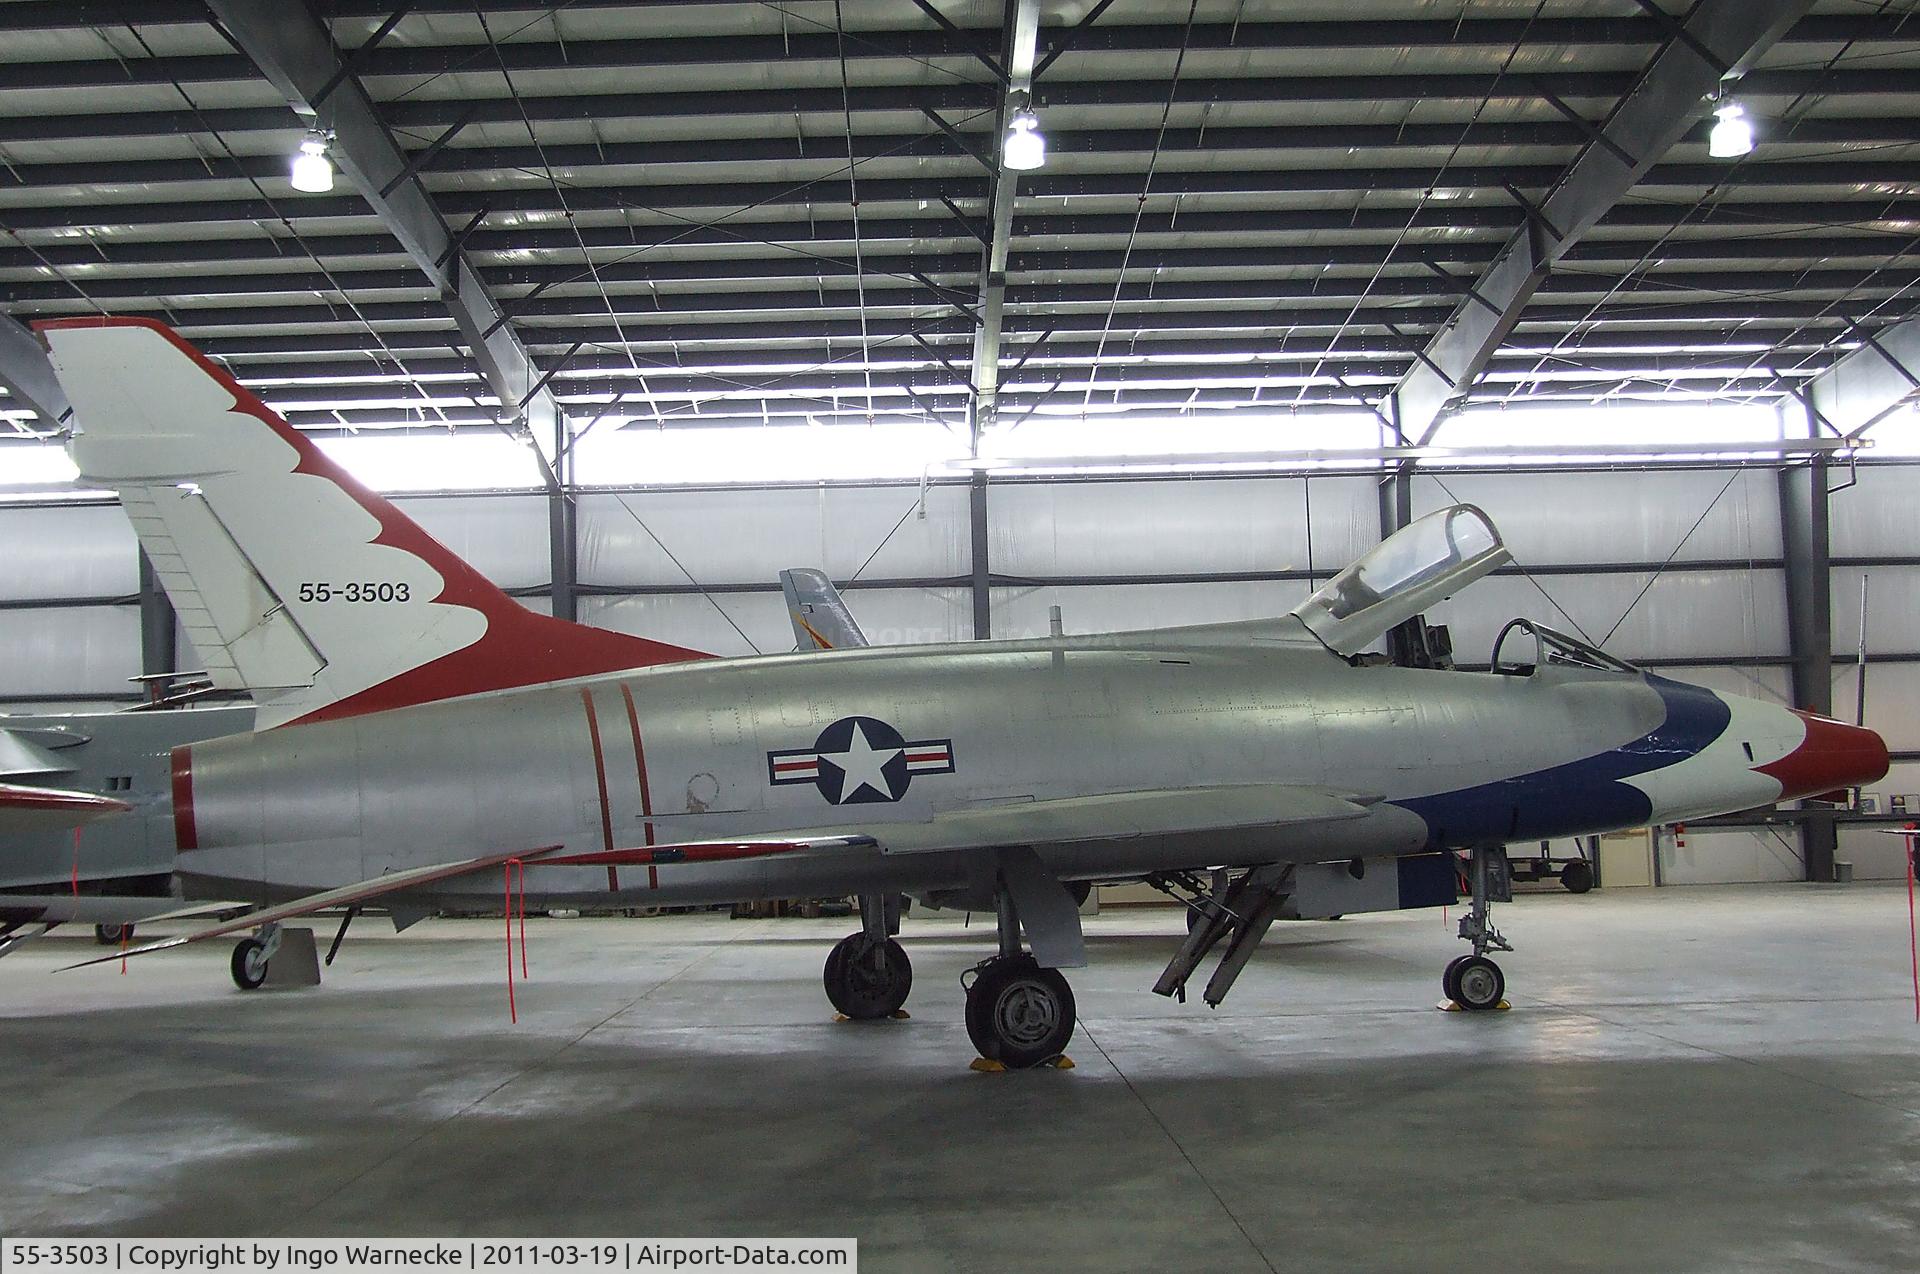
863,764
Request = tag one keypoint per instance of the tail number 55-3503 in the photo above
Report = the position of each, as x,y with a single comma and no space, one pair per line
354,592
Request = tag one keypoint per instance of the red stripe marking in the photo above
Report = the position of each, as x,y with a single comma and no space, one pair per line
600,777
640,772
796,765
926,756
186,833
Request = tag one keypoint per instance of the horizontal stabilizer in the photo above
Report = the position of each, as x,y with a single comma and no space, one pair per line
45,809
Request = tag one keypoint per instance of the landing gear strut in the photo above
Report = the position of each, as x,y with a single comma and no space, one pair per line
251,955
1474,981
868,975
1018,1014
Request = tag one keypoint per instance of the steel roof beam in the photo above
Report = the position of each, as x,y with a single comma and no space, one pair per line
1796,254
909,99
294,51
1866,386
638,300
1019,49
28,376
1647,123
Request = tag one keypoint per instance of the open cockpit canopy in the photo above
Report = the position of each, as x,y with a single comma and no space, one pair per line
1423,563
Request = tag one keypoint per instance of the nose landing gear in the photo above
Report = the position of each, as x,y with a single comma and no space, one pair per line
1474,981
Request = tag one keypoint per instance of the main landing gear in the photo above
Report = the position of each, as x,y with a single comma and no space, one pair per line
1474,981
868,975
250,957
1018,1013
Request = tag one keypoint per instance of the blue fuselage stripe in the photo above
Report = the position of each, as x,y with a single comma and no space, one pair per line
1581,796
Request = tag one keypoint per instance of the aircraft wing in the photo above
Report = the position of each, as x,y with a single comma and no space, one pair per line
548,856
821,620
46,809
1122,816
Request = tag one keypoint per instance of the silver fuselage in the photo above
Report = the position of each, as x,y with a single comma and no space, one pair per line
681,753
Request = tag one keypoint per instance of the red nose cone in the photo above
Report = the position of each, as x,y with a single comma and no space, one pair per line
1833,755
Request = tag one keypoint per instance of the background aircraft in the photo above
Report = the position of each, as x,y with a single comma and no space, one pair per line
414,758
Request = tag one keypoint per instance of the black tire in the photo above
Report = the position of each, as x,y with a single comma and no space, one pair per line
1449,982
1478,984
1019,1014
249,970
1577,876
112,935
862,988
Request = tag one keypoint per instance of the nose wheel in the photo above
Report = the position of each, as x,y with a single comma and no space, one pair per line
1474,981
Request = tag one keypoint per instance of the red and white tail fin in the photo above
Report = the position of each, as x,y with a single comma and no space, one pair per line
292,580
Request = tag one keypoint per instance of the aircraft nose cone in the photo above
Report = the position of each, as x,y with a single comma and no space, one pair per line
1832,755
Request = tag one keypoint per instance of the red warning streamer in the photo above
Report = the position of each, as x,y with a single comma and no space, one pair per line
1912,839
508,881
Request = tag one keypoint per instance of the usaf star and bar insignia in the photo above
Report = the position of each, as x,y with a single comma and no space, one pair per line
860,761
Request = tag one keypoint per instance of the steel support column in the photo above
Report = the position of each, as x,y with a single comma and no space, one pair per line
159,647
1668,99
1807,546
1020,38
982,567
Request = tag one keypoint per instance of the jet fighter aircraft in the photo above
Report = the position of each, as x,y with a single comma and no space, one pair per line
409,760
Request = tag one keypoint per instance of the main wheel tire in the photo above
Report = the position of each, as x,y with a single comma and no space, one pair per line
112,935
1019,1014
861,987
1577,876
1450,977
249,964
1478,984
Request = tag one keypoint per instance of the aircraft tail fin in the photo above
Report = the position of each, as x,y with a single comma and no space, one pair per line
821,620
292,580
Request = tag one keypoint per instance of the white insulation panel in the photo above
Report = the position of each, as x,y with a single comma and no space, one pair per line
53,553
1171,527
1682,613
1644,516
889,616
504,537
74,650
1023,612
748,537
1878,516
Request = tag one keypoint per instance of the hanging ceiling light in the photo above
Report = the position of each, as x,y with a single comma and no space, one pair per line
312,170
1025,147
1732,132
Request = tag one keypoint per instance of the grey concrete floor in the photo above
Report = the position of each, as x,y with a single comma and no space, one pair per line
1689,1079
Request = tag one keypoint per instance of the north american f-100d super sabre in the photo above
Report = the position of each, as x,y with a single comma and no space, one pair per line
407,760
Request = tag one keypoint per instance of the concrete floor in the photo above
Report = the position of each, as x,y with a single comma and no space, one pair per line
1690,1079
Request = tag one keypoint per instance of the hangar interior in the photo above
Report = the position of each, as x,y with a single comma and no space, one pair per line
635,305
756,292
